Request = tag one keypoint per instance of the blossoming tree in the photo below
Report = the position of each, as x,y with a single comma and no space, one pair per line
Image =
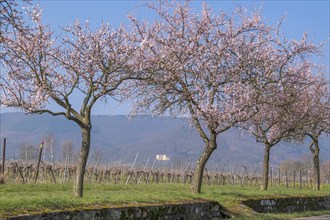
39,67
320,123
314,120
286,76
10,15
281,114
204,66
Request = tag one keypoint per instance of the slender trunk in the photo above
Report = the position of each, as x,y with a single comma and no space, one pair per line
317,179
3,156
26,156
65,165
316,165
198,174
86,138
39,159
52,154
264,185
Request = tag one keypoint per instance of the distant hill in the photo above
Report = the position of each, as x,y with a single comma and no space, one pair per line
117,138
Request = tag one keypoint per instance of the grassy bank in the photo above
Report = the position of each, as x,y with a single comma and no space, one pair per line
33,198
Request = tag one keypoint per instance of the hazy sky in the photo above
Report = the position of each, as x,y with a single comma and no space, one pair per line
301,16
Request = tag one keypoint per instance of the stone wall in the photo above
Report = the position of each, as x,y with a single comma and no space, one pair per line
299,204
199,211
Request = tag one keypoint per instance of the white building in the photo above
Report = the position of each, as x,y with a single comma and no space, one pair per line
162,157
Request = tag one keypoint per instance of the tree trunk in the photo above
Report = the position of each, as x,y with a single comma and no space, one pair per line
86,138
264,185
198,174
316,166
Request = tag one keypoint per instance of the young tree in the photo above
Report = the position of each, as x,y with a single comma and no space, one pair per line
315,121
27,153
201,66
285,74
294,165
67,151
80,65
281,110
325,167
48,153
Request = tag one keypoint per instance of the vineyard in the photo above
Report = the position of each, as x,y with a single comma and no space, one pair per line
20,172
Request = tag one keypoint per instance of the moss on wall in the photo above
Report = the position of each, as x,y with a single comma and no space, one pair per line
192,211
288,205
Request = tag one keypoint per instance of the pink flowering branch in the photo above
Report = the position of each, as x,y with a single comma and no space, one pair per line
81,64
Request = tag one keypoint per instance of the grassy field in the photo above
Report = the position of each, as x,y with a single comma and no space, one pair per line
33,198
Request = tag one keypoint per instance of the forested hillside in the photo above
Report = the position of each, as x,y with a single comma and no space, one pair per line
117,139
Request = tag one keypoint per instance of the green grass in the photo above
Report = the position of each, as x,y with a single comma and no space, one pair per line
33,198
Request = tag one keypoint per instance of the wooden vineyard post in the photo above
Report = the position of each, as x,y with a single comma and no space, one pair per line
242,178
121,170
300,179
26,156
185,173
310,179
271,176
144,168
286,179
150,172
66,163
279,177
39,159
89,159
3,156
294,179
131,170
172,173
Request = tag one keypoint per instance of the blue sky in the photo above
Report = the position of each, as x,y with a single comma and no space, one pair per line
301,16
311,16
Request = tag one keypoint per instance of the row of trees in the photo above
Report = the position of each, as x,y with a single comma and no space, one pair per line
221,70
50,153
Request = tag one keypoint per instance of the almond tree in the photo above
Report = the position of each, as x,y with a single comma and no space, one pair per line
81,66
204,66
10,15
315,120
319,125
279,115
287,75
